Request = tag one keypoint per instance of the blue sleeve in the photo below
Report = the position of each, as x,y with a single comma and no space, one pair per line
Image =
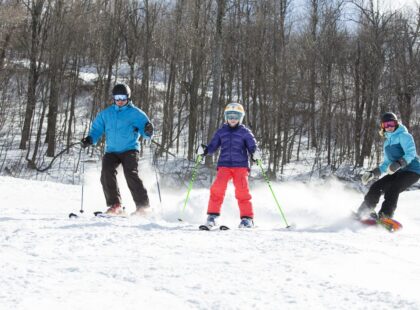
384,166
97,129
140,122
251,143
409,147
214,144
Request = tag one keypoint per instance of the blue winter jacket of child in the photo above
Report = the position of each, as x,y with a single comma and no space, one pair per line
122,127
236,144
400,144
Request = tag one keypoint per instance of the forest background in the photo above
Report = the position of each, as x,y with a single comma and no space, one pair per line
313,75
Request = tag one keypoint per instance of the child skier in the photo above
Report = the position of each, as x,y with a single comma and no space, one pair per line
236,142
401,165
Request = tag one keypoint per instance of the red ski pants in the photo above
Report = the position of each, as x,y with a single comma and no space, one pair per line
218,189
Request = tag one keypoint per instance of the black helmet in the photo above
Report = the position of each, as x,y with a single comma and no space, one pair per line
389,116
121,89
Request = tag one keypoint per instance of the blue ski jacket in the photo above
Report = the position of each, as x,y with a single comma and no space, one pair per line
236,144
400,144
122,127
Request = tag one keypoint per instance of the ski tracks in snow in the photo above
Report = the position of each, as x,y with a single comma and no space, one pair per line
51,262
131,262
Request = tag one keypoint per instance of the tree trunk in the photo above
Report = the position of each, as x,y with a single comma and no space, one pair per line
217,73
34,65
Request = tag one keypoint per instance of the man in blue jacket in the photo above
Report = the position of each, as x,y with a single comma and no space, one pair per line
401,165
123,124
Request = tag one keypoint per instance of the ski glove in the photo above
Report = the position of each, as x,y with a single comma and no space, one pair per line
87,141
202,150
148,129
370,175
396,165
256,156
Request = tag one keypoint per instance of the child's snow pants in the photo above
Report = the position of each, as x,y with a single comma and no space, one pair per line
240,181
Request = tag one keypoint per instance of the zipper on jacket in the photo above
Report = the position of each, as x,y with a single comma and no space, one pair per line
230,146
116,126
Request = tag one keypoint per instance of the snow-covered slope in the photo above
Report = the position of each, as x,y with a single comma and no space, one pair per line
327,262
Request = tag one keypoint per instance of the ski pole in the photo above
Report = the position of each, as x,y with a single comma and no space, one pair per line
83,186
156,175
82,177
194,173
259,163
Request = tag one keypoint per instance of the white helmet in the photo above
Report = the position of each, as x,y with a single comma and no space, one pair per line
234,111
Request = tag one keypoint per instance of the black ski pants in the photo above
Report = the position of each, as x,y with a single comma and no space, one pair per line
391,186
129,161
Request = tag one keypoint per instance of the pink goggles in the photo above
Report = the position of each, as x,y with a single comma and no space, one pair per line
389,124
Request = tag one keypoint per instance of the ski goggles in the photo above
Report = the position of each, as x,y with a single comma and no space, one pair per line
120,97
233,115
389,124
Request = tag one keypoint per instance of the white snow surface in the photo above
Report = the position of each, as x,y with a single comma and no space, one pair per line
328,261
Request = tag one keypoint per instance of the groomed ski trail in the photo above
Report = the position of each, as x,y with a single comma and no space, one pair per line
52,262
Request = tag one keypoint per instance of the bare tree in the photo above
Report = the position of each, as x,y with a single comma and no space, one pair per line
404,54
39,13
216,70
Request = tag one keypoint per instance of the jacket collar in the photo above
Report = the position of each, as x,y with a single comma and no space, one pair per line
401,128
226,126
124,107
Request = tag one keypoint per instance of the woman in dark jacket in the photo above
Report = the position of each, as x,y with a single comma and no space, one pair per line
237,143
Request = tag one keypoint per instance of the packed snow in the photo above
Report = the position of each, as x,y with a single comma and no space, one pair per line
327,261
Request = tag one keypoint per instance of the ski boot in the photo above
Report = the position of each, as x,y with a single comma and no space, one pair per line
382,215
246,222
115,209
373,216
366,211
388,222
211,222
142,211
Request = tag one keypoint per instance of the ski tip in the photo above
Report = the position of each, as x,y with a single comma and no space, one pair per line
203,227
73,215
106,215
390,224
224,227
180,220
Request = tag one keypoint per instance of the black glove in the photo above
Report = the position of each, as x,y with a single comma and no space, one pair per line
148,129
396,165
87,141
202,150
